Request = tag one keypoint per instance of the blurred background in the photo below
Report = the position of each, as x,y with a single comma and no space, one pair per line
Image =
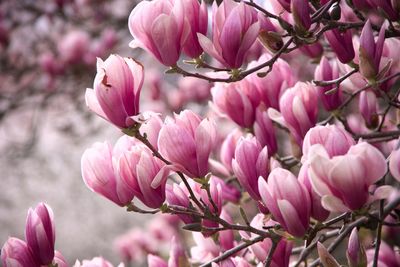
48,53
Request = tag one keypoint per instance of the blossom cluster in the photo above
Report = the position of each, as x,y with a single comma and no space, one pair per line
287,149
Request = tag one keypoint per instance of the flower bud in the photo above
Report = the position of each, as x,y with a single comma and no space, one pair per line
326,258
355,253
228,147
387,256
335,11
314,50
287,199
235,28
238,100
177,255
261,249
158,27
299,109
341,43
272,86
196,18
40,233
370,51
388,8
264,131
301,15
177,195
116,92
326,72
100,176
268,35
16,252
250,163
186,141
143,174
368,108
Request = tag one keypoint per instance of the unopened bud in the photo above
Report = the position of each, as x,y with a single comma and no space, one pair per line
326,258
355,253
335,11
271,40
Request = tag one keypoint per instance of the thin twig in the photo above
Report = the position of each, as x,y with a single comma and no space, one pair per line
233,251
274,245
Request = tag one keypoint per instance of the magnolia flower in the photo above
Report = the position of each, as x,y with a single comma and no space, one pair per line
40,233
116,92
235,28
187,141
343,181
287,199
159,28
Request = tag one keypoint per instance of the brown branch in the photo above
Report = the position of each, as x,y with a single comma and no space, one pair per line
359,222
233,251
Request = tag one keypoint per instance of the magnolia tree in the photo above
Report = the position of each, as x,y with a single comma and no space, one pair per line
295,159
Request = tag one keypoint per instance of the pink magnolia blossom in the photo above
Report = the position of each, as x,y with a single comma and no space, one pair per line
177,195
204,249
314,50
368,105
228,147
196,18
341,43
116,92
138,169
16,252
100,175
261,249
159,28
334,139
237,100
370,52
226,237
272,86
187,141
298,110
235,28
327,71
343,181
355,251
287,199
387,257
389,8
250,163
151,128
40,233
317,211
301,14
177,255
265,131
